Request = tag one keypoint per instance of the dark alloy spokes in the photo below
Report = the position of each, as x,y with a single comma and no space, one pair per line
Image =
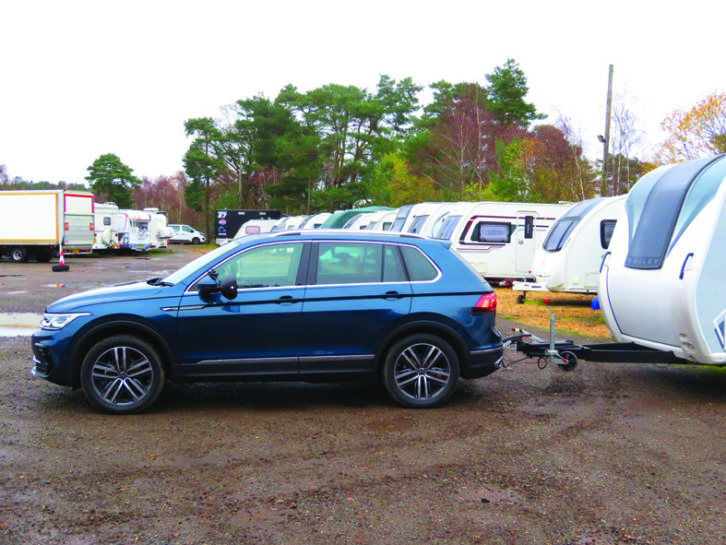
122,375
422,371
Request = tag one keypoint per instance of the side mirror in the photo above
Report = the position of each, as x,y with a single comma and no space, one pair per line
207,287
228,287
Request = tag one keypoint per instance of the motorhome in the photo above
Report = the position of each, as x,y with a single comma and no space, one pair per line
133,230
105,226
661,284
39,223
569,259
499,238
159,230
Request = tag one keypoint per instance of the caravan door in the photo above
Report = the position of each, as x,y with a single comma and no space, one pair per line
524,242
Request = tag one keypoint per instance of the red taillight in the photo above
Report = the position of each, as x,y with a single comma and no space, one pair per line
67,227
486,303
90,226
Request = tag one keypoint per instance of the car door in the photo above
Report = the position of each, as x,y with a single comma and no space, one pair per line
356,291
256,332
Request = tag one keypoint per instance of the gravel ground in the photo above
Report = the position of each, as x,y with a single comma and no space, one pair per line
606,454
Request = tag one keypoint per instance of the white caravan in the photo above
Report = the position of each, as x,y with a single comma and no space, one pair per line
569,259
662,284
133,230
105,223
256,226
499,238
382,220
422,217
315,221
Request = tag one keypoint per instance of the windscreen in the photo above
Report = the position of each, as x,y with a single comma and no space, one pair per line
661,209
562,228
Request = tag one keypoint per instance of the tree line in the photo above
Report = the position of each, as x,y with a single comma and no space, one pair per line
336,146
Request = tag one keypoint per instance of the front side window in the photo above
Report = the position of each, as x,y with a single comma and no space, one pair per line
267,266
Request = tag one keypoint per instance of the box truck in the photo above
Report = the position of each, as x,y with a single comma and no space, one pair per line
36,224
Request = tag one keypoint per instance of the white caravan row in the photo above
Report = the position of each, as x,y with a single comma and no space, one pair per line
126,229
497,238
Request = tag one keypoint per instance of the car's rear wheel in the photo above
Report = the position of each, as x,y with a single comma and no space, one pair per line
421,371
122,375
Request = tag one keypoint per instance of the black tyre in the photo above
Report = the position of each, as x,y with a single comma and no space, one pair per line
19,254
122,375
195,240
421,371
43,257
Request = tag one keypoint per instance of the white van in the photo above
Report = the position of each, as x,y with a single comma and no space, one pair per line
184,234
569,259
662,284
499,238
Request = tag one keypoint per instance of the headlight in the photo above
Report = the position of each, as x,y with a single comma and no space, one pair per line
54,322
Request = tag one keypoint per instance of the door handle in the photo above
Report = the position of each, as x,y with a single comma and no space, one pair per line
683,267
286,300
392,295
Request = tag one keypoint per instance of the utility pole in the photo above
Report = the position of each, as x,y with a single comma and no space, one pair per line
606,139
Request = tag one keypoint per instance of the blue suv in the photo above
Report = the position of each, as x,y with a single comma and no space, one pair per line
303,306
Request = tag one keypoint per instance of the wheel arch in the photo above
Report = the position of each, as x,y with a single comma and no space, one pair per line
120,327
428,327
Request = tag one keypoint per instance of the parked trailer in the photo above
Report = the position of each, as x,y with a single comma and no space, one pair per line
499,238
423,216
569,259
106,226
36,224
228,222
661,285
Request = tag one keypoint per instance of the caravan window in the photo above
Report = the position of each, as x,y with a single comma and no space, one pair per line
560,231
106,220
662,207
446,229
417,224
494,232
606,232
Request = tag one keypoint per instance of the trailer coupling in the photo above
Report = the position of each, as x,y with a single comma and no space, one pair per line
565,353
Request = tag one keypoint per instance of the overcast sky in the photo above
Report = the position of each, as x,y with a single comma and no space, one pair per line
84,78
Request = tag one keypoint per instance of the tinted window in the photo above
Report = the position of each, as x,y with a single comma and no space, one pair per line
418,265
107,221
660,212
401,216
393,270
560,231
264,266
348,263
486,231
606,232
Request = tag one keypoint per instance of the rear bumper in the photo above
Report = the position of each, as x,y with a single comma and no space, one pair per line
483,362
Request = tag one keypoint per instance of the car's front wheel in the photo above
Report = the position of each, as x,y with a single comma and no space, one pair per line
421,371
122,375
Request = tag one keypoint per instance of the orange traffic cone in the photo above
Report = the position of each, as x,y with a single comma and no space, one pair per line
61,263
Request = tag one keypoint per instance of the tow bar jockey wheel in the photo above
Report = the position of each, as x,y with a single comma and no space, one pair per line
569,361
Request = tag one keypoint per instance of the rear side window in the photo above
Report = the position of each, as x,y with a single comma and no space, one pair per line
358,263
419,268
